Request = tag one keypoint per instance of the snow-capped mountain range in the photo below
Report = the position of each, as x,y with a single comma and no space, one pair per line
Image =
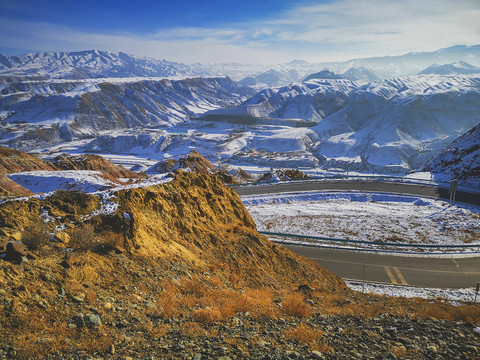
374,114
105,64
460,67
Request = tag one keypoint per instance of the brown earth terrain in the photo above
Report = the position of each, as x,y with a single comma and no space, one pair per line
178,271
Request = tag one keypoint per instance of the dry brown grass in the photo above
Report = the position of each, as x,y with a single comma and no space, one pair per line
192,329
307,335
294,305
36,236
83,238
207,315
168,303
112,241
159,331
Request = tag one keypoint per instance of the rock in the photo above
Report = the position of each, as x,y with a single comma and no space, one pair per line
46,277
62,237
224,358
67,259
304,287
78,299
237,322
316,355
107,306
150,305
293,354
442,343
197,356
79,320
92,320
470,348
15,252
61,292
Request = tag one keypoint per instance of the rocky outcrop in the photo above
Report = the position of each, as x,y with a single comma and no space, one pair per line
197,163
196,218
284,174
15,161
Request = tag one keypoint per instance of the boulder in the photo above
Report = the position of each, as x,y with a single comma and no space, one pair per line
16,251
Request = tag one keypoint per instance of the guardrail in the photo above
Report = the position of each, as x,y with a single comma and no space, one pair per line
386,178
376,243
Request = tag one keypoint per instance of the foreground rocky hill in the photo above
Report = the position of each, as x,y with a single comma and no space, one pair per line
178,271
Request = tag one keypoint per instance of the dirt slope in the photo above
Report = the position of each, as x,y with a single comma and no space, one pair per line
12,161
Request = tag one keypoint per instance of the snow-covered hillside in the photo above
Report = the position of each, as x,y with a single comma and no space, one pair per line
460,160
395,125
387,126
312,101
42,112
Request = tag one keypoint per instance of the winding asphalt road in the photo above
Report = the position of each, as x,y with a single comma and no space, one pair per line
431,271
375,186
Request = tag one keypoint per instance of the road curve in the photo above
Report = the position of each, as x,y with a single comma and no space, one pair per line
371,186
432,272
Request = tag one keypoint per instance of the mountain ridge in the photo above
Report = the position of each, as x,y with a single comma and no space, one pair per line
61,64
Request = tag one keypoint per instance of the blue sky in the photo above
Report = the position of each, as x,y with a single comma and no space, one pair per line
260,31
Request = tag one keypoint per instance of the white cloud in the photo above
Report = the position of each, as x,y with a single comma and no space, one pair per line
337,30
187,45
373,27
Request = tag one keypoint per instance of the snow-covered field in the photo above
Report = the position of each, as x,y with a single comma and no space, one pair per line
48,181
366,216
452,295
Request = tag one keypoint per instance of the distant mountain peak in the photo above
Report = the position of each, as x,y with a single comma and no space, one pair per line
454,68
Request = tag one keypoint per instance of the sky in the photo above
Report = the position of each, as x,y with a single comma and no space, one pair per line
246,31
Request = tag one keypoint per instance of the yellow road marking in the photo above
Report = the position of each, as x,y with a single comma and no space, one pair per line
404,268
390,275
400,276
